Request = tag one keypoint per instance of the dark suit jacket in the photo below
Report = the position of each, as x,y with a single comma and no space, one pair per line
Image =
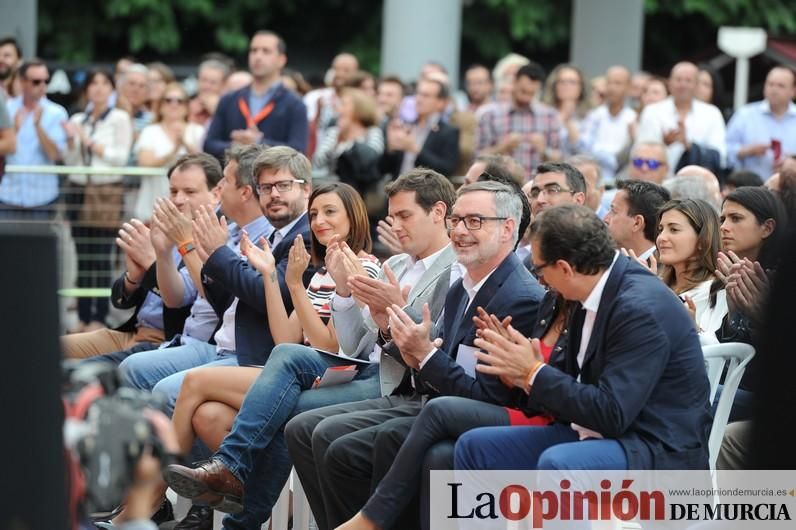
510,290
226,277
286,125
643,379
173,318
440,152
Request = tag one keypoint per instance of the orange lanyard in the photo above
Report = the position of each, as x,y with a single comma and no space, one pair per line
252,122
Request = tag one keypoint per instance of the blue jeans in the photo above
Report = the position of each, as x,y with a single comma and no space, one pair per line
255,449
164,370
554,447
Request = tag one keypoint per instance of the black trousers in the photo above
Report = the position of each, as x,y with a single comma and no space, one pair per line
428,446
341,453
94,246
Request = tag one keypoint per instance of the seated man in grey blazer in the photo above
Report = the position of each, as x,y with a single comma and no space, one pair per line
254,454
340,452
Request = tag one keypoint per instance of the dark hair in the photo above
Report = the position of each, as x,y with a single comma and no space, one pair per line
93,74
703,219
245,156
645,199
743,178
429,186
444,91
359,234
280,42
5,41
787,189
209,165
476,66
764,205
575,179
719,96
498,173
532,71
394,79
575,234
30,63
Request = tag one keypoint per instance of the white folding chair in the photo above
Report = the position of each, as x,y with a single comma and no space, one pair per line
735,356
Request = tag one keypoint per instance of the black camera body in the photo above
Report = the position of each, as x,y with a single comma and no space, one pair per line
107,434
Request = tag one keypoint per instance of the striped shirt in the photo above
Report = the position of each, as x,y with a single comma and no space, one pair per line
322,287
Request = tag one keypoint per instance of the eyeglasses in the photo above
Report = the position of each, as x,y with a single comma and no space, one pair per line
537,270
283,186
173,100
651,163
551,190
37,82
471,222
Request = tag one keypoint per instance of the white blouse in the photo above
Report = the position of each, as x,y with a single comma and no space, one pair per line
114,132
708,318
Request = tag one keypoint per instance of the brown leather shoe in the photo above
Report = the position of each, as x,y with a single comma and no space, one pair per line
211,482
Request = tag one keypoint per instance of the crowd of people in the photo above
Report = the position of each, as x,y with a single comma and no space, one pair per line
328,300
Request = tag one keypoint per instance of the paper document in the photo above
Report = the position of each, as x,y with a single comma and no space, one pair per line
337,375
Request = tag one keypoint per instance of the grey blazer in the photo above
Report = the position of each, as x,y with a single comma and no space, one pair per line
357,333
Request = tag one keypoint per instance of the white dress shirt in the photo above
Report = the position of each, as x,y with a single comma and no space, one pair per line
472,290
704,125
591,304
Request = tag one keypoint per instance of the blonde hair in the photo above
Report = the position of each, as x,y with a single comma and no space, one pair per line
365,110
173,86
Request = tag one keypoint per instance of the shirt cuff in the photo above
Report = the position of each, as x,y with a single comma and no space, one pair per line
427,358
533,377
341,303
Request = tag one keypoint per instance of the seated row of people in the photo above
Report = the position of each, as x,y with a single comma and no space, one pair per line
447,319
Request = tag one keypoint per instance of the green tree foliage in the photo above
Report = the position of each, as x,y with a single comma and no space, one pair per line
96,30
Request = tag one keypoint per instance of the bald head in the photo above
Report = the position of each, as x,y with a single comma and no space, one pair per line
683,82
710,179
344,65
617,86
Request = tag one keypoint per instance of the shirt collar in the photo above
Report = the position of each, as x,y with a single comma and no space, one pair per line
472,289
428,261
259,227
531,108
647,253
765,108
592,302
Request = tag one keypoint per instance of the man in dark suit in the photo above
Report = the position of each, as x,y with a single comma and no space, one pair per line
630,392
265,112
353,445
429,142
231,286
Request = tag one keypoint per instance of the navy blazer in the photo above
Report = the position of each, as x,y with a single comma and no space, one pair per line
286,125
226,276
173,318
510,290
643,379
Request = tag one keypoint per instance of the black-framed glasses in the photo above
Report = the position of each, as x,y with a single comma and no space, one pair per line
550,190
537,270
471,222
650,162
37,82
283,186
